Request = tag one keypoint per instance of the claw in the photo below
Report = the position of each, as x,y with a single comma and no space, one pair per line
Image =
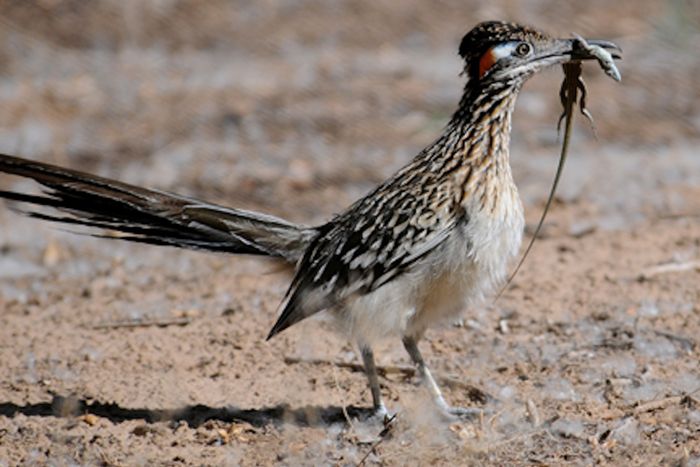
589,117
381,414
561,119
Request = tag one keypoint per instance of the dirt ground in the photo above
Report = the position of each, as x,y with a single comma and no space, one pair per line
120,354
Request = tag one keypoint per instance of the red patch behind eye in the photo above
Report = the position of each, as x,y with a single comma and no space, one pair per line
486,62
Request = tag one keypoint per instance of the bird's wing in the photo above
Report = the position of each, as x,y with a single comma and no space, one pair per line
360,252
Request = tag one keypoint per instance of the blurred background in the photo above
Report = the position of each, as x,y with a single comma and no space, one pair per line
299,107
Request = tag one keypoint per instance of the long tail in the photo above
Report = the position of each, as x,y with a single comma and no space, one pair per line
151,216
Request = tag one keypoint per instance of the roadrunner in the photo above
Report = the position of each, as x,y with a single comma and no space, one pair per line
418,250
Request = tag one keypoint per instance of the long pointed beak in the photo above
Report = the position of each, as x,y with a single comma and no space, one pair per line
558,51
577,48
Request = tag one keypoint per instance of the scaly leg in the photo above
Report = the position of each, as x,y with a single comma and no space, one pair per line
411,346
373,378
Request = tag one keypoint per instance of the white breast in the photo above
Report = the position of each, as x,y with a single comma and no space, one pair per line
460,273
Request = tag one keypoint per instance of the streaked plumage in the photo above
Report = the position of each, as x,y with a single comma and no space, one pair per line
419,249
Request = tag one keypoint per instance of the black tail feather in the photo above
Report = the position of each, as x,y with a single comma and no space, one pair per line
151,216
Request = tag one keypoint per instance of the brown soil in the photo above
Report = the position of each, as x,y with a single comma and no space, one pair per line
119,354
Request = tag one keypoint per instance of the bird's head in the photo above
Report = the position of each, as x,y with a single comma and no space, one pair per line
497,51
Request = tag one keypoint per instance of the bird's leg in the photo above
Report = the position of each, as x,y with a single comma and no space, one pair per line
373,379
411,346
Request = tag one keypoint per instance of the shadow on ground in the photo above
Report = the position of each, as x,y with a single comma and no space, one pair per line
193,415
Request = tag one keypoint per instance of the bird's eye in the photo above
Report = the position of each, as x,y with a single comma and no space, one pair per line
523,49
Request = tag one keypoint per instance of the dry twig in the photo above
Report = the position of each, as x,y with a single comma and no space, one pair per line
388,427
383,370
656,404
533,413
343,406
161,323
659,404
668,268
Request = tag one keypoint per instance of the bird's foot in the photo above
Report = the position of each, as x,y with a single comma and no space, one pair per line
380,414
458,413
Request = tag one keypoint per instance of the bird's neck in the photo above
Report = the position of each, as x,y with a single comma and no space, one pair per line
481,102
479,131
472,153
474,147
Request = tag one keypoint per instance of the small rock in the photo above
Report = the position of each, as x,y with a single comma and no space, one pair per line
581,229
568,428
627,432
90,419
560,389
141,430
